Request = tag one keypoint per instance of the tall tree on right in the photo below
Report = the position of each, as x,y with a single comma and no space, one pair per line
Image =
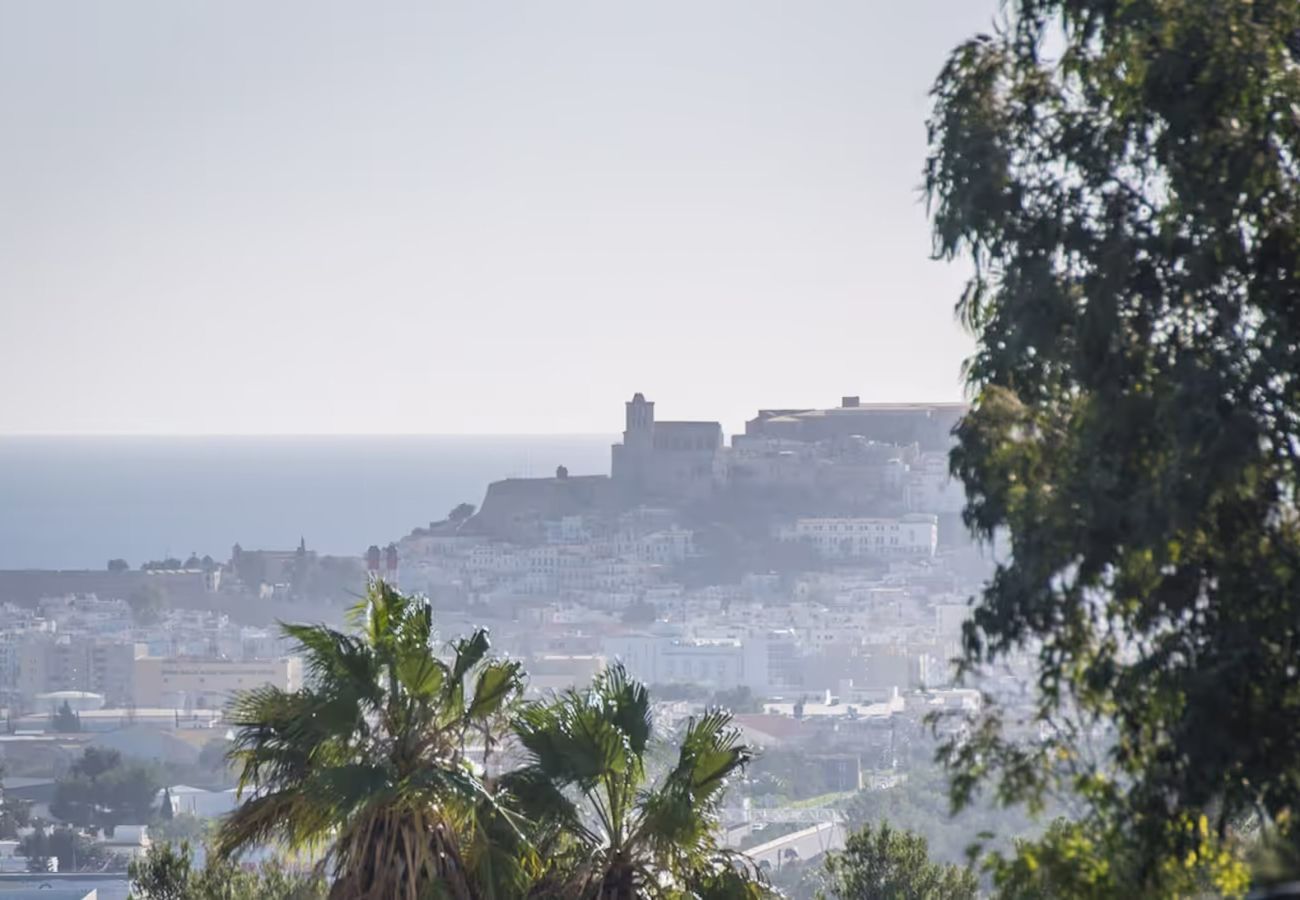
1125,177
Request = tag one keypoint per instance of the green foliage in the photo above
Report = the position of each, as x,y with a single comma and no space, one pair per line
102,790
642,612
736,700
368,764
1274,853
1088,860
65,720
1126,179
166,873
14,814
73,849
212,755
605,828
181,827
368,761
881,863
461,512
149,602
920,804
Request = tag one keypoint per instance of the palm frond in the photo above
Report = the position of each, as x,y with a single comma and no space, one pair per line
368,760
496,683
710,754
625,702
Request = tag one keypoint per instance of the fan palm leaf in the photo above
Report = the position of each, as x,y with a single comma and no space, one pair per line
367,763
615,835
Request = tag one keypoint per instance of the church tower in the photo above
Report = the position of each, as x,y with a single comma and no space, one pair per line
629,459
640,422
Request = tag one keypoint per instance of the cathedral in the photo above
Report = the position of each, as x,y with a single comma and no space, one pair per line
667,460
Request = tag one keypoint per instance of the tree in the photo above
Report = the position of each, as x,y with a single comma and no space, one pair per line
1126,179
101,790
65,720
147,604
1089,859
163,873
461,513
118,565
370,758
605,829
739,699
640,612
882,863
74,851
166,873
213,761
920,804
14,814
180,827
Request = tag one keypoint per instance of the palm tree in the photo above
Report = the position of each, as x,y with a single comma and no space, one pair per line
609,833
368,762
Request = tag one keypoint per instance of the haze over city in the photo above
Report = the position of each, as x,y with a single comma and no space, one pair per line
662,450
465,218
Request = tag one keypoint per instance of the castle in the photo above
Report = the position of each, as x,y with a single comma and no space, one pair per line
687,461
856,456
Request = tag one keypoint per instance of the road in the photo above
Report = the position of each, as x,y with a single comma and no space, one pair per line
805,844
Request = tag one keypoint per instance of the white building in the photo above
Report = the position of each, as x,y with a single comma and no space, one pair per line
915,535
761,662
930,487
714,663
949,617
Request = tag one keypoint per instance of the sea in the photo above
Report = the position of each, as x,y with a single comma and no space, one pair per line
77,502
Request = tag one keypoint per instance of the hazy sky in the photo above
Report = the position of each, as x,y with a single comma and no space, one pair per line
465,217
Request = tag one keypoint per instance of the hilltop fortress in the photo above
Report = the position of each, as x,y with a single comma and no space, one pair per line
881,458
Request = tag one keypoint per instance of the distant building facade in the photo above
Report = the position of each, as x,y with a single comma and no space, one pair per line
666,460
188,683
77,663
838,537
928,425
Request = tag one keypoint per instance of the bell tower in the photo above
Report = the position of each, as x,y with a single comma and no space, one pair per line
640,422
630,458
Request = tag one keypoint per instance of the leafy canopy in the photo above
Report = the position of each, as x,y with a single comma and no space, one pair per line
102,790
1125,176
882,863
167,873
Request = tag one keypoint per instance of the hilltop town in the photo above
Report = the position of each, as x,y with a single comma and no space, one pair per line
811,573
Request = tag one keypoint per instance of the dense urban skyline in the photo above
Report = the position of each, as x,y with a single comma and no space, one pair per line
313,218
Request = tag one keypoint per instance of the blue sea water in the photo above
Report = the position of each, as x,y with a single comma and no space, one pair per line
76,502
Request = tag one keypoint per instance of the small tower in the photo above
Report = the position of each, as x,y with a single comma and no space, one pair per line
640,418
373,557
629,459
390,564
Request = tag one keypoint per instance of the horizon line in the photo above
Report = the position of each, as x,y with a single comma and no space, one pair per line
301,434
